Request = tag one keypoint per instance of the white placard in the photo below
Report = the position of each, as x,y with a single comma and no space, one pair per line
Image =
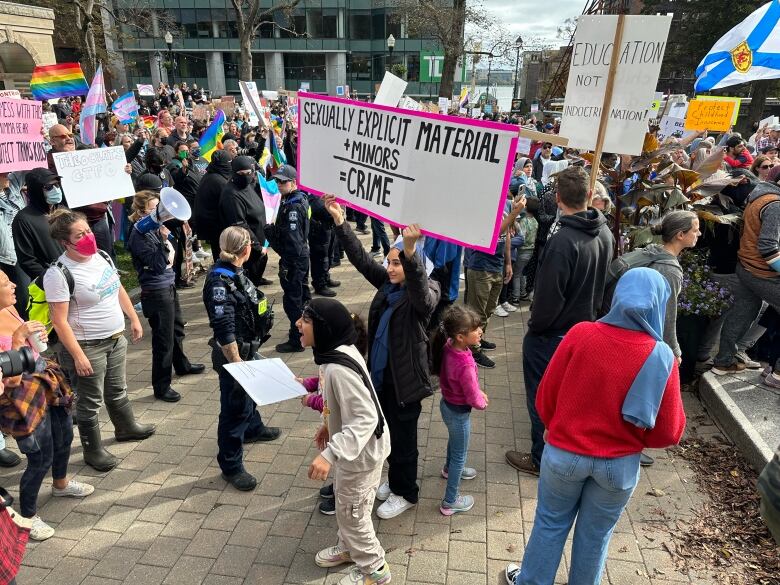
476,112
408,103
391,91
266,381
770,121
271,95
524,146
93,175
443,105
641,54
395,165
251,101
674,127
145,89
49,120
305,86
10,93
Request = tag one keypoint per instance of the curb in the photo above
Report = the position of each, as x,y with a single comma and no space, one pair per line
733,422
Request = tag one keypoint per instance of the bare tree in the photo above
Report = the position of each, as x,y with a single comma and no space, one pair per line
250,16
566,29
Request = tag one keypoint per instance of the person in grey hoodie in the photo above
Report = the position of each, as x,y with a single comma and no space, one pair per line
353,438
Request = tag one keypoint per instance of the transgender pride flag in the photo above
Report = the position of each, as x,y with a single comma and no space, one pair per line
125,108
95,104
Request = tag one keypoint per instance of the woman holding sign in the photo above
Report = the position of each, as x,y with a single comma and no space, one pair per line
397,349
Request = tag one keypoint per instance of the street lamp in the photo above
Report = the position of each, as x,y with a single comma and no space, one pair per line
169,42
158,58
390,46
487,89
519,47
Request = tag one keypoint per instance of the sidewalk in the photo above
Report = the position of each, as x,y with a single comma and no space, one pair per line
164,515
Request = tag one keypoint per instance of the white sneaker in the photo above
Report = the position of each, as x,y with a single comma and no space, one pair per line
202,254
383,491
394,506
508,307
74,489
40,530
500,312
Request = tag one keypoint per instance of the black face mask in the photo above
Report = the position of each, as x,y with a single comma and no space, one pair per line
243,181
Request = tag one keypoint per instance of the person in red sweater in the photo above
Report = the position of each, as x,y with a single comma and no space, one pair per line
737,155
598,417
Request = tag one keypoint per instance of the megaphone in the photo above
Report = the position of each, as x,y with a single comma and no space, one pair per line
172,205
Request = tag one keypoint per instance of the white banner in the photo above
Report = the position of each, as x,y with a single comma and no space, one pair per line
145,89
10,93
93,175
448,174
251,99
641,53
674,127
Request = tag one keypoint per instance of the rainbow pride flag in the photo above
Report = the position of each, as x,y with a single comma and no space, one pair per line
211,141
56,81
278,156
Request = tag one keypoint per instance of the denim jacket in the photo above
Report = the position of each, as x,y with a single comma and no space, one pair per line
11,201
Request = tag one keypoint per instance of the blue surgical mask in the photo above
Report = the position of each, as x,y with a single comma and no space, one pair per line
53,196
195,152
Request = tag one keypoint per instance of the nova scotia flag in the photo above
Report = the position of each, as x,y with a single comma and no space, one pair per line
748,52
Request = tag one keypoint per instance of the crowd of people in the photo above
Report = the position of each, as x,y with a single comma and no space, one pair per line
60,286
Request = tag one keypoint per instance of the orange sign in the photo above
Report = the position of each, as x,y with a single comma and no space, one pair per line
714,116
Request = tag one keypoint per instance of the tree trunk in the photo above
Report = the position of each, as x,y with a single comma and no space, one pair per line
757,102
245,62
453,49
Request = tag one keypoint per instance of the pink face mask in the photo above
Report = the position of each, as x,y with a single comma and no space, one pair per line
87,245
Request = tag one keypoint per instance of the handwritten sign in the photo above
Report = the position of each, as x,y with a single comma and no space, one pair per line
721,98
21,143
408,167
10,93
94,175
672,127
636,75
145,89
714,116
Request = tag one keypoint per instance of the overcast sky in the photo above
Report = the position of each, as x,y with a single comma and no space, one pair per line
534,17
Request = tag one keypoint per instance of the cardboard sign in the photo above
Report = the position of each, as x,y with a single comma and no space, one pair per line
714,116
145,89
94,175
408,103
390,91
672,127
536,136
21,143
534,108
11,94
718,98
200,112
636,75
49,120
395,165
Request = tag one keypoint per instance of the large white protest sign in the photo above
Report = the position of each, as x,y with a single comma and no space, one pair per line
641,53
93,175
251,100
21,143
391,91
448,174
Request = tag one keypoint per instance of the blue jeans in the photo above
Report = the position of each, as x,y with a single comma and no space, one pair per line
379,236
47,447
459,427
593,490
537,353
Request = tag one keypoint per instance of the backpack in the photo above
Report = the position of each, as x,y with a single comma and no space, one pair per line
38,307
641,258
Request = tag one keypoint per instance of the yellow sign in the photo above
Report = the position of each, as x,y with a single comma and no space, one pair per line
714,116
722,98
742,57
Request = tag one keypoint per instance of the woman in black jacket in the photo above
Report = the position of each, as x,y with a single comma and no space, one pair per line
398,350
207,200
152,257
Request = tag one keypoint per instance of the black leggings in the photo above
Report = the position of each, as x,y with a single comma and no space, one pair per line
402,426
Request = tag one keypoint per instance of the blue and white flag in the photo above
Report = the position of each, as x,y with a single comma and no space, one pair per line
748,52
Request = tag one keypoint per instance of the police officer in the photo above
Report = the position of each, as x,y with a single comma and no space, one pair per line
321,242
241,321
289,237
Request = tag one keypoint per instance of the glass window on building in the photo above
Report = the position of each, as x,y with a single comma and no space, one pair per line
359,66
314,23
191,65
291,25
204,23
381,63
189,24
138,67
138,30
330,23
412,66
378,25
393,24
304,66
359,24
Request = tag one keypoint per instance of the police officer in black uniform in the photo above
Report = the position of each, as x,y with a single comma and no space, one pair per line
289,237
241,320
321,242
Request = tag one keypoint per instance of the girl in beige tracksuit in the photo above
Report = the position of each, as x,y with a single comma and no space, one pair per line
353,438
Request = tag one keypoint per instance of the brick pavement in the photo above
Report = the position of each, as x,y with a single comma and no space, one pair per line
164,515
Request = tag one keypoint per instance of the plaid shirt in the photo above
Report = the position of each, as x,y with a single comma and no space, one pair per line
13,540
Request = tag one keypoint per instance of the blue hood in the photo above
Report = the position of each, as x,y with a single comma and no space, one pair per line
639,302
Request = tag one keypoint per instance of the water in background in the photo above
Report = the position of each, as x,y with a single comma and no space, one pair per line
502,93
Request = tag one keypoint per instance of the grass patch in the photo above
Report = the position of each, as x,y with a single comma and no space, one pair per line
124,262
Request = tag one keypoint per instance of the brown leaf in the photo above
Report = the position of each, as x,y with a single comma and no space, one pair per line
656,492
511,548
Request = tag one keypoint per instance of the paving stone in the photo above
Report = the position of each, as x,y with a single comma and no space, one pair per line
427,567
266,574
223,517
140,535
189,570
118,519
465,556
278,550
70,570
234,561
49,553
117,563
207,543
289,523
147,575
183,525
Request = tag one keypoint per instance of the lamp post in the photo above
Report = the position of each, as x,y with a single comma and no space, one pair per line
390,46
487,89
518,47
158,58
169,42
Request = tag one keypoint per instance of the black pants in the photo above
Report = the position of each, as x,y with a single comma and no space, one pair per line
360,220
19,277
161,308
255,268
336,251
537,353
319,250
402,425
214,248
294,279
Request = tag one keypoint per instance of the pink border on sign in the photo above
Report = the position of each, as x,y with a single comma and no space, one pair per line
438,117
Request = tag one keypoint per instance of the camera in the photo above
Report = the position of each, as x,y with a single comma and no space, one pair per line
16,362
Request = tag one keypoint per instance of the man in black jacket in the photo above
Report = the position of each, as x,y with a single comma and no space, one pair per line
240,204
321,241
207,200
35,248
569,289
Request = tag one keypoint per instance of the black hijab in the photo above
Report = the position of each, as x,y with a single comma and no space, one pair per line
333,326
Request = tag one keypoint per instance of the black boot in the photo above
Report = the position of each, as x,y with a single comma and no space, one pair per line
94,454
126,428
8,458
